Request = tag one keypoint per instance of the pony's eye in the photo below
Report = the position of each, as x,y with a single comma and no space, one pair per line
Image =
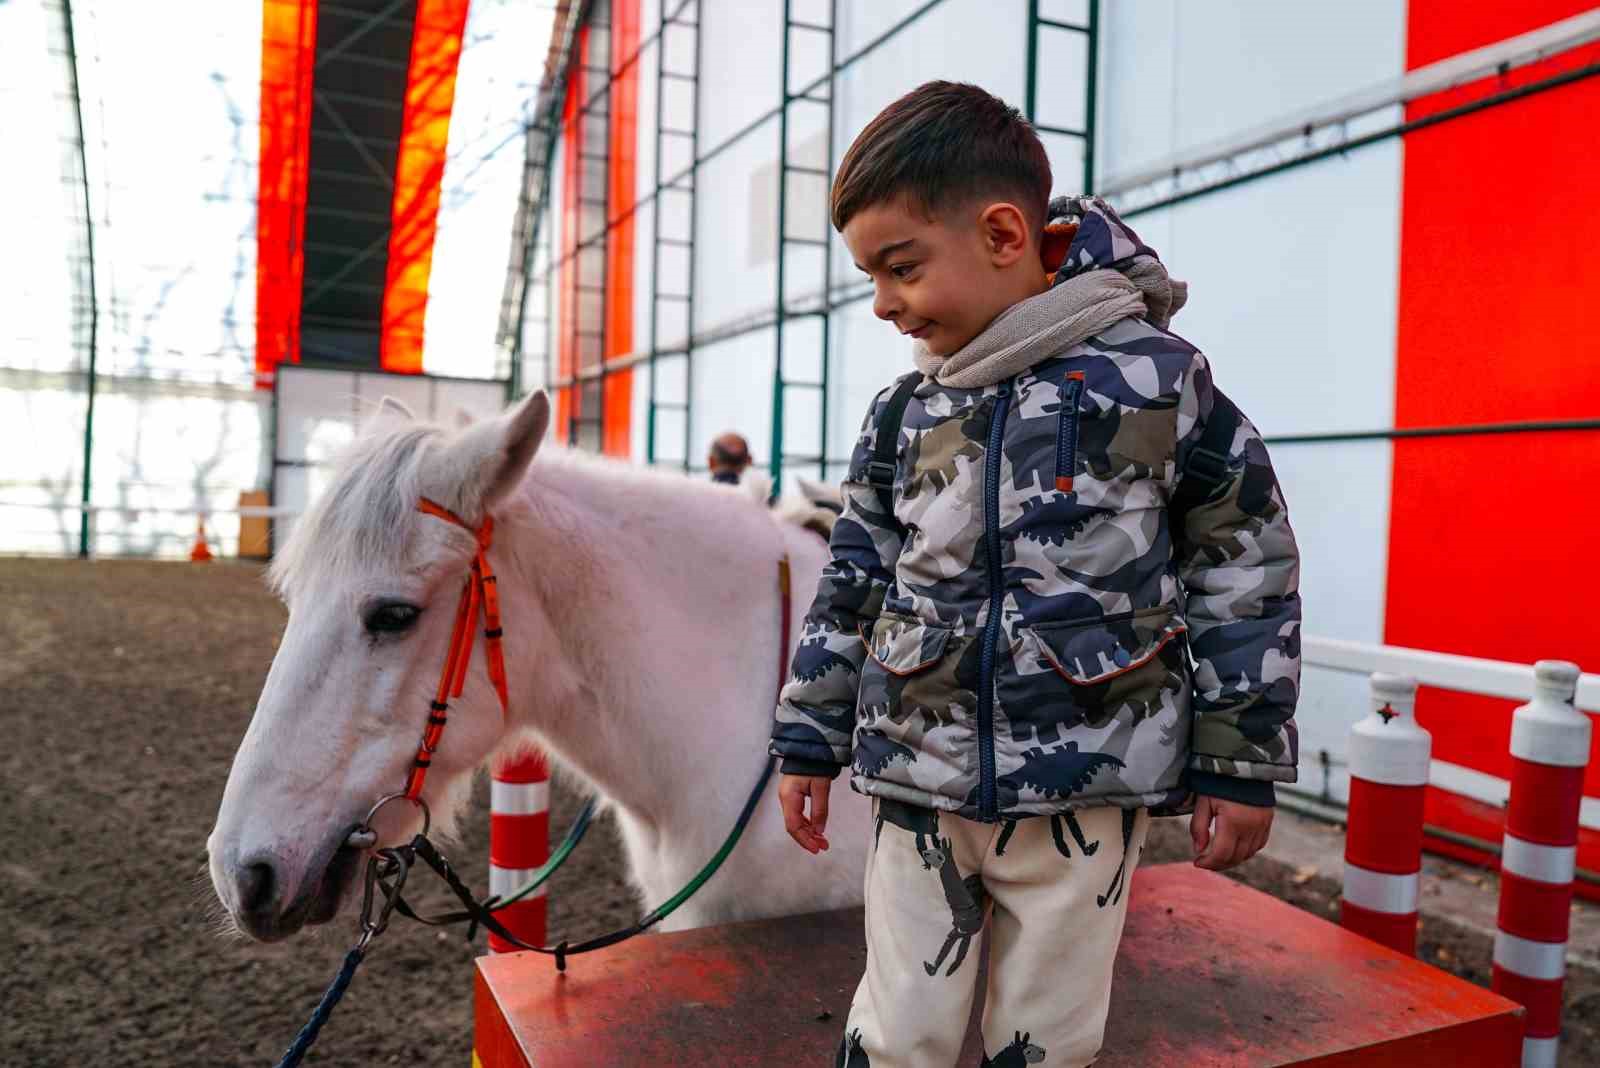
392,618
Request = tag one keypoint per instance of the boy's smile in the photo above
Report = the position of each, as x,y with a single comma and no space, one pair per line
942,278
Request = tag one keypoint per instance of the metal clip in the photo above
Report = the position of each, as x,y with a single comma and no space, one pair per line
386,863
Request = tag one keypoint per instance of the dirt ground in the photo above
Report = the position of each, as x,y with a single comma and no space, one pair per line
124,688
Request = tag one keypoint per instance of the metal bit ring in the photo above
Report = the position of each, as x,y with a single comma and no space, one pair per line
362,836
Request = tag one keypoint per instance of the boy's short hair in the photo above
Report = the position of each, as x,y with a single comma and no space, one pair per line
941,144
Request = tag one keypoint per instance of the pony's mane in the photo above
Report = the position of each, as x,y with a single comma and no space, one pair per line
366,512
364,515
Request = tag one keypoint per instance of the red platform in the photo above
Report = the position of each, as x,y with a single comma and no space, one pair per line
1210,973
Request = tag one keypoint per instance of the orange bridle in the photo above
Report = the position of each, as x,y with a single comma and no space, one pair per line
480,590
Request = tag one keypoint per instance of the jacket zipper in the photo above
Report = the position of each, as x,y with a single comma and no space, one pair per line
987,803
1067,431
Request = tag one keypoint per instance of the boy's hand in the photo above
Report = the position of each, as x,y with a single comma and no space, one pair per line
792,793
1240,833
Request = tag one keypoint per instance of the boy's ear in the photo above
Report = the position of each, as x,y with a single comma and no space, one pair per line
1005,233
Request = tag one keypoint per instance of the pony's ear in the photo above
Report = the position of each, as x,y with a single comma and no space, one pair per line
487,460
520,433
391,408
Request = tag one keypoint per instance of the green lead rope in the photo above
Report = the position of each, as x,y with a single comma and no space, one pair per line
575,833
483,913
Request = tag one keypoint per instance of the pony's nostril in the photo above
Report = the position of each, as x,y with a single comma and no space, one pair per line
256,884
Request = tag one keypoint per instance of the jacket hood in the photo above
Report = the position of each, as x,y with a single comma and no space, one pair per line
1107,275
1104,242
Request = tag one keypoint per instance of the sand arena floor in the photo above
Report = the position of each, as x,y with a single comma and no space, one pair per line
125,687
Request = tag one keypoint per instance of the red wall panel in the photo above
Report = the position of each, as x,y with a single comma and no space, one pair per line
418,175
1492,536
623,191
288,51
1439,29
571,179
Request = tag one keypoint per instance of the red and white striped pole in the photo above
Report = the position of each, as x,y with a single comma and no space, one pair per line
1549,751
1389,759
519,841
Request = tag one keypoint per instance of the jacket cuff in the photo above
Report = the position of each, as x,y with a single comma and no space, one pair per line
801,766
1257,792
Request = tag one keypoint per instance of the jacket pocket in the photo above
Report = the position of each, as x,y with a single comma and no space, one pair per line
916,715
904,645
1067,431
1089,654
1133,668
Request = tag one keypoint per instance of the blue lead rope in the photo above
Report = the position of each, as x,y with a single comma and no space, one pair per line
330,998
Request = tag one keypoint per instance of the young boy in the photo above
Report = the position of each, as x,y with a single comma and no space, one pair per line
1067,512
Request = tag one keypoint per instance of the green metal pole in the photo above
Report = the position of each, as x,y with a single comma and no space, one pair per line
775,462
94,304
1093,45
1030,98
827,239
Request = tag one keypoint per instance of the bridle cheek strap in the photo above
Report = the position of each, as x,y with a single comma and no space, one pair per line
479,593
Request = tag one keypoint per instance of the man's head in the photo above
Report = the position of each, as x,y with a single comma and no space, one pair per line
941,200
730,455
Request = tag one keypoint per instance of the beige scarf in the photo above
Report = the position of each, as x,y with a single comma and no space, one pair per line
1053,321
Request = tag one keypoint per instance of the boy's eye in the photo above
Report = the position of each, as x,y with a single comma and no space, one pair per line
902,270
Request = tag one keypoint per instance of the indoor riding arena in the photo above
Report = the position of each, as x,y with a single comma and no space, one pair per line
422,423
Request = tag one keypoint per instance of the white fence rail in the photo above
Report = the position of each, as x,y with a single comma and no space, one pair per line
115,530
1460,674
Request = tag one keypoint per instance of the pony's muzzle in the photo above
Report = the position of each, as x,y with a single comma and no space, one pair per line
256,888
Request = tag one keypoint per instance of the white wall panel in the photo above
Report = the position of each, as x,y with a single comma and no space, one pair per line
737,205
739,65
1338,498
1174,76
447,397
639,419
555,221
1137,119
1293,289
960,40
867,355
732,390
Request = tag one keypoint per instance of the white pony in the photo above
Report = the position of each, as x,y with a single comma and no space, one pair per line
641,619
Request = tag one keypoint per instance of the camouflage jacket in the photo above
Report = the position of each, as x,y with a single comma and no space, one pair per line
1017,638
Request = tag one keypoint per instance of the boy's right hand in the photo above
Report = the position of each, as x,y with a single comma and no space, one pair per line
793,790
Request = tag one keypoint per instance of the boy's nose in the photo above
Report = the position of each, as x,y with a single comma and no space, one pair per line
885,307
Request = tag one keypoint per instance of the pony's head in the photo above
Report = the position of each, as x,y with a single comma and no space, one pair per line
372,585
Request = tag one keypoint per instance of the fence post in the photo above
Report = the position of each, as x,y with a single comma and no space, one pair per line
519,841
1549,751
1389,759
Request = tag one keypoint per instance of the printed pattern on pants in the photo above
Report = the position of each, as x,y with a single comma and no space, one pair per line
1051,891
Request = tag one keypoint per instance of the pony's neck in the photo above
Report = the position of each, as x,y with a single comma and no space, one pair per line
621,587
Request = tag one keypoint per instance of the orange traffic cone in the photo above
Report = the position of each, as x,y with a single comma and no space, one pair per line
201,551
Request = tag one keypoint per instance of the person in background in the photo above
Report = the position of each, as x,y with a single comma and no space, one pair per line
730,456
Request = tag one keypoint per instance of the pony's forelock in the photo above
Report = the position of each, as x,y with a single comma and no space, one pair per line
364,516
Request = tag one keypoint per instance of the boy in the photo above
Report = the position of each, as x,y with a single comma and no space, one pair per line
1067,512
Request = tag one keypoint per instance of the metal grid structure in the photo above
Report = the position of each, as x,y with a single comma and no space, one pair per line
680,362
145,364
797,373
1212,169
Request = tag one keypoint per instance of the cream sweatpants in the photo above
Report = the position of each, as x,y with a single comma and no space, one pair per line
1052,892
